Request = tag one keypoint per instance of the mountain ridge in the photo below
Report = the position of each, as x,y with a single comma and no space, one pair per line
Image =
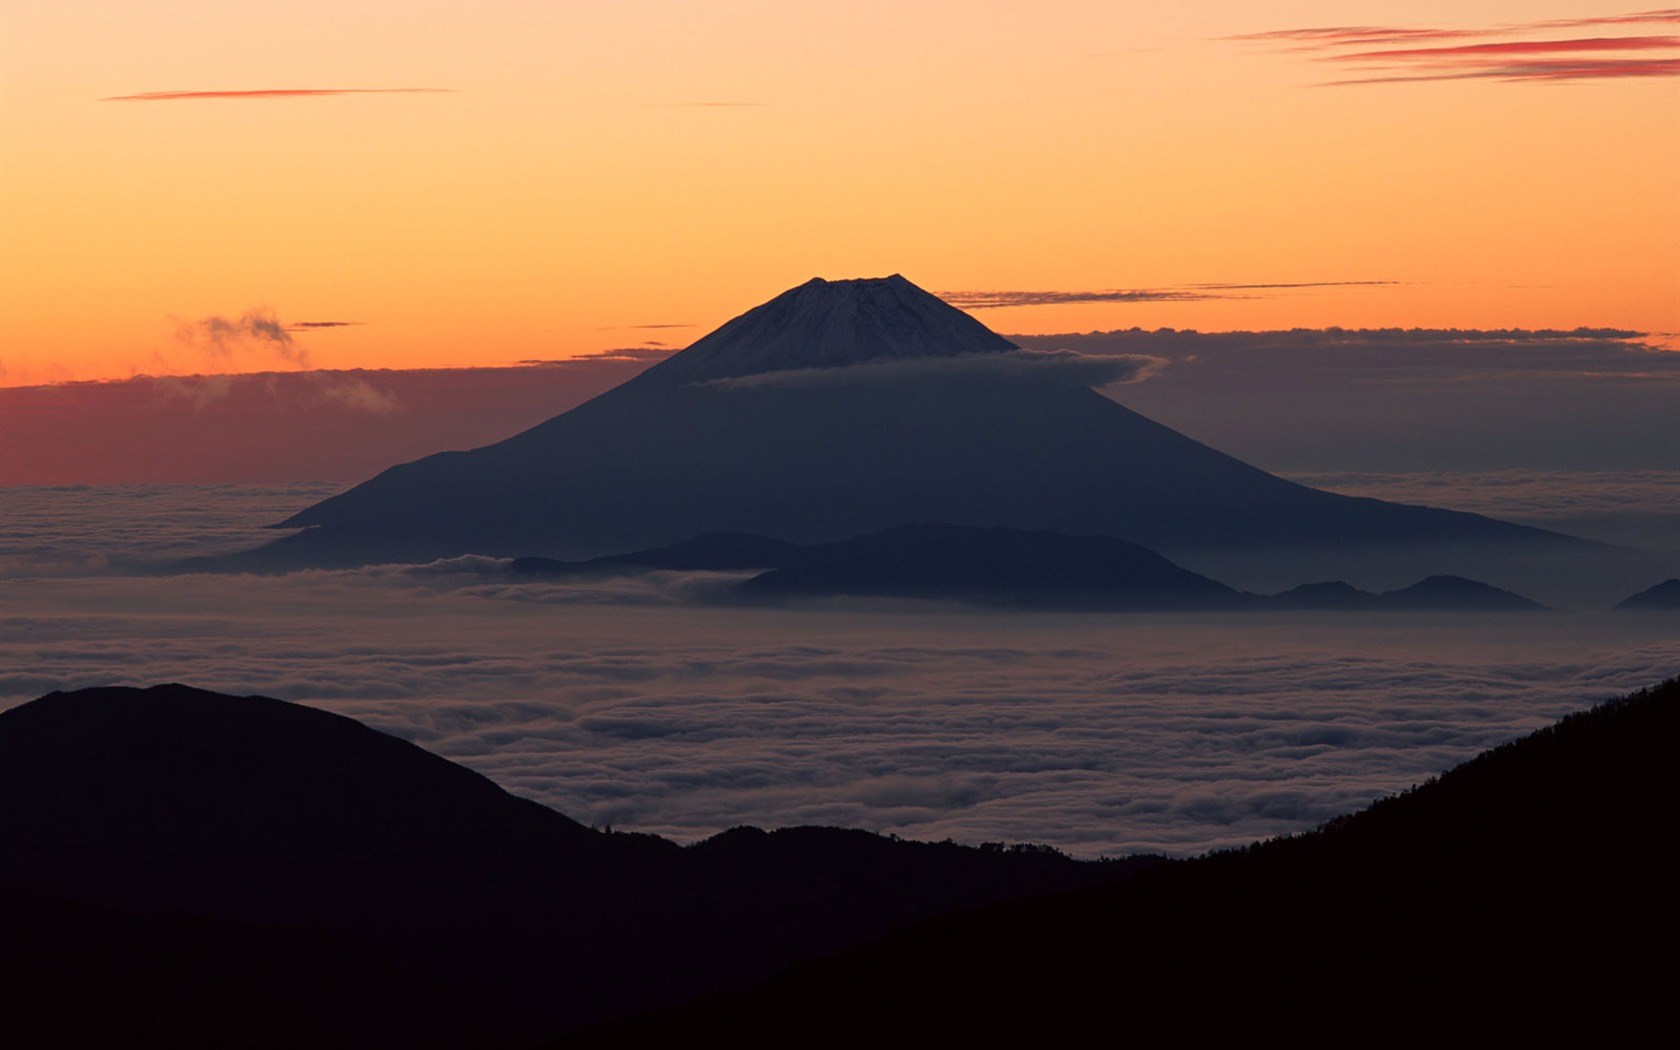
166,841
1514,896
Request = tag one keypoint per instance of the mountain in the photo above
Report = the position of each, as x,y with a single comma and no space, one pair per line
833,324
842,408
715,551
192,869
995,565
1454,592
1665,595
1330,594
999,566
1433,594
1516,898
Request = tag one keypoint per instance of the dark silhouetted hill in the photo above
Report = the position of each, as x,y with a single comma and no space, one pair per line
190,869
1665,595
1525,896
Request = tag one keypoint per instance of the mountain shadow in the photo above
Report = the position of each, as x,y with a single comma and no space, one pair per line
843,408
190,869
1522,896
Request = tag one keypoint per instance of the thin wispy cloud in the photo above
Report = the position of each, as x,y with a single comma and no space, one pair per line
1054,366
1658,16
623,353
1608,69
1351,36
270,93
1393,54
310,326
991,300
1522,47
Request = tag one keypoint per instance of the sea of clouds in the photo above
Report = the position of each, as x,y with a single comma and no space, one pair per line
624,702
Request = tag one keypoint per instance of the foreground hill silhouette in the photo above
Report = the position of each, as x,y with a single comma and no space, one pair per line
190,869
1525,895
842,408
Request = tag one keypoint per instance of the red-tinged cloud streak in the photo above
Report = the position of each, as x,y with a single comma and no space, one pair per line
1354,36
1492,56
1661,15
270,93
1519,47
1607,69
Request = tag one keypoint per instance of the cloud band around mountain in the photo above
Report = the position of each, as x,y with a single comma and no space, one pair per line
1044,366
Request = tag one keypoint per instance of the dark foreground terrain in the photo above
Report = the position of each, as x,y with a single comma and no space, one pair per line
185,868
1528,894
189,869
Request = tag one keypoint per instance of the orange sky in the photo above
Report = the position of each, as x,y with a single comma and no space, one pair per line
574,174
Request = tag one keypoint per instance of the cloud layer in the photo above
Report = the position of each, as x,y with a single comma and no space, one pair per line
1302,400
280,426
1406,400
616,704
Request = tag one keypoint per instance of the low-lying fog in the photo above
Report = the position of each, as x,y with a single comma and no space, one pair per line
618,704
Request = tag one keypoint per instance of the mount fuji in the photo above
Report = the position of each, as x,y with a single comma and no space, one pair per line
845,407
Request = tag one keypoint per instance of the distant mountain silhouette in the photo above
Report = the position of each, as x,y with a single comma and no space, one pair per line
993,565
998,566
1665,595
1517,899
1331,594
1434,594
716,551
838,409
191,869
1454,592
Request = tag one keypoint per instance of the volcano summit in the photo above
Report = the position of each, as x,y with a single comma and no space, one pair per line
840,408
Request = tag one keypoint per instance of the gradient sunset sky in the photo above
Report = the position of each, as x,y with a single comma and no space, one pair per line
211,187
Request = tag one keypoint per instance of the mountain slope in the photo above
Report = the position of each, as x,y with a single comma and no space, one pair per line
1518,896
196,865
993,565
838,409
